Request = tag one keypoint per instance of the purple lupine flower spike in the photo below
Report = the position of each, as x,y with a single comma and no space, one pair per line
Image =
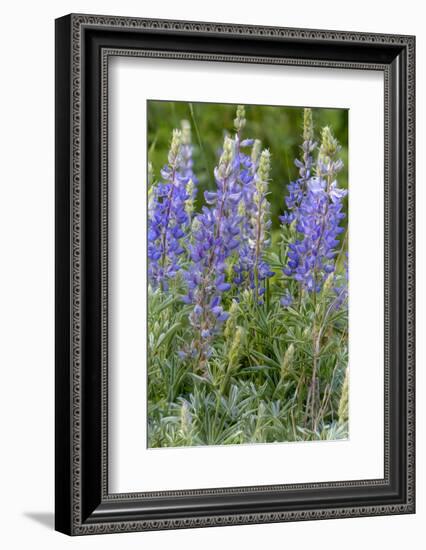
167,218
305,165
317,216
186,170
186,161
261,221
247,167
252,263
215,236
244,163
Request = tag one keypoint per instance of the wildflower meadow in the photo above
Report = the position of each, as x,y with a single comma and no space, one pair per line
247,274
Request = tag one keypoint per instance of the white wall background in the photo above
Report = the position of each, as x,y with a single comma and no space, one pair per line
27,261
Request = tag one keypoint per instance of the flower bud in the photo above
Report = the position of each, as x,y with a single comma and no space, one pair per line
240,120
329,144
225,161
189,203
328,283
287,360
234,351
343,411
231,321
264,167
185,417
308,126
186,132
175,147
255,152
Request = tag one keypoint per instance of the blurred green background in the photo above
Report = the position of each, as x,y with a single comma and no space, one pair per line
279,129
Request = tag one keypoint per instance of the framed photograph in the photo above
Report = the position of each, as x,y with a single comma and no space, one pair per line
234,274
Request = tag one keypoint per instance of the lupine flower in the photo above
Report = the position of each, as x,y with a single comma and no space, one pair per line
252,263
317,213
245,165
215,237
186,172
311,257
261,222
327,164
305,165
167,218
253,209
186,163
240,118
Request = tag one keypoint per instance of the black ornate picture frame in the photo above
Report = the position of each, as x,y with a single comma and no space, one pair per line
84,44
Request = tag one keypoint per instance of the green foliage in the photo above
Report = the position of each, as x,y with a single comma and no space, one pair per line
256,389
